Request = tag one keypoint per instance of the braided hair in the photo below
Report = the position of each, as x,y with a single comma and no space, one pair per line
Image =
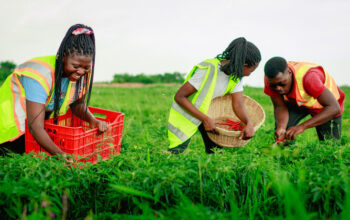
74,44
239,52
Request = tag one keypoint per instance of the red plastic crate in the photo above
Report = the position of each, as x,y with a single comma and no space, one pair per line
74,136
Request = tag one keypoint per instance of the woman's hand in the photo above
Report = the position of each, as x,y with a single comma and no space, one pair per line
101,125
68,158
82,111
248,132
210,125
241,112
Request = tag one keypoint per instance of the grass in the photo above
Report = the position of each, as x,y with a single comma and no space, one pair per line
308,180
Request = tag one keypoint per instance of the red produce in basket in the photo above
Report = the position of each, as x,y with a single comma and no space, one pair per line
233,125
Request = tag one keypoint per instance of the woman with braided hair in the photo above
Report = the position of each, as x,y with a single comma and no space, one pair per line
207,80
46,87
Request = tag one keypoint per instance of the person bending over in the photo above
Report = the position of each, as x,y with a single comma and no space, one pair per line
209,79
298,89
46,87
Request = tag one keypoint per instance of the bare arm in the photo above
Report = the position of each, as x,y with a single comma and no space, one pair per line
241,112
181,98
35,120
80,110
330,110
281,116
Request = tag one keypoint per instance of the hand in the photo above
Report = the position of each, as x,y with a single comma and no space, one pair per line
101,125
294,131
210,125
280,134
247,132
68,158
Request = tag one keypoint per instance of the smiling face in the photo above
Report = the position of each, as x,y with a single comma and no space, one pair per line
76,66
247,70
282,82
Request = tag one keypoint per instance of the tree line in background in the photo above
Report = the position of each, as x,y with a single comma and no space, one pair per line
174,77
7,67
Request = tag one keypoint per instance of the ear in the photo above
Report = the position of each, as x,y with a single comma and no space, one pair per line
290,75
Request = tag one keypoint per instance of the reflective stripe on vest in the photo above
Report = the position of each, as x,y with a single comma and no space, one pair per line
67,99
42,73
182,125
300,69
19,103
12,109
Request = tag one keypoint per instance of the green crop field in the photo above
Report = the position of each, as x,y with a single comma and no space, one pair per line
306,180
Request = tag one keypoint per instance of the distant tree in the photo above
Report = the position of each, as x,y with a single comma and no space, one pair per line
175,77
6,68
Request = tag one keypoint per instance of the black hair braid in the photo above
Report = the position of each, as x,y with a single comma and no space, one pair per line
239,52
71,45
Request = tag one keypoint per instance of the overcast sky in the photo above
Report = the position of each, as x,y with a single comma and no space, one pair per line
157,36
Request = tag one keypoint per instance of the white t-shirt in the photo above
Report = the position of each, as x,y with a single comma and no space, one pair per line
222,81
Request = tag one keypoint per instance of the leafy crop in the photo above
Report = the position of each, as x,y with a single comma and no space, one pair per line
307,180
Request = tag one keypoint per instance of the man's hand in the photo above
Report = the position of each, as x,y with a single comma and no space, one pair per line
294,131
280,134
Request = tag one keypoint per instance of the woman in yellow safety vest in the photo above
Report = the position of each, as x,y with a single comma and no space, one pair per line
207,80
46,87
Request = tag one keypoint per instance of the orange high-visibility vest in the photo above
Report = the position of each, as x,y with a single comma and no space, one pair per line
12,95
300,69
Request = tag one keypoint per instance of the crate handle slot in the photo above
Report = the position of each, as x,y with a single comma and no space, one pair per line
100,115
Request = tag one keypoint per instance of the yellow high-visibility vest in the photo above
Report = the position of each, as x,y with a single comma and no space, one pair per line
182,125
300,69
12,95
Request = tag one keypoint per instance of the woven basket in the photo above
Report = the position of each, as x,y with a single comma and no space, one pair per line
220,109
